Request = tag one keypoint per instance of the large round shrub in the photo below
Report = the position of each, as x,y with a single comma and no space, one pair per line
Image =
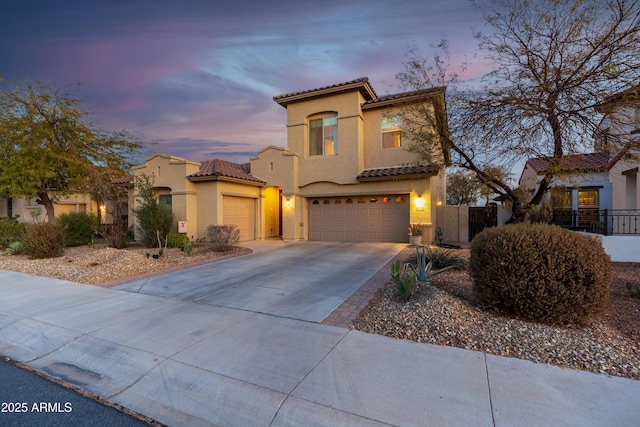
540,272
44,240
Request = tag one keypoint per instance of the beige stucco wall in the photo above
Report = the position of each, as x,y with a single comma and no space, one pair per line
375,156
343,167
278,167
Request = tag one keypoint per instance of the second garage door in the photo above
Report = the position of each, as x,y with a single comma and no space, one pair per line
360,218
240,211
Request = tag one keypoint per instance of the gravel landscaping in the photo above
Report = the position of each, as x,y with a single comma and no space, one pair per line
106,266
442,313
445,313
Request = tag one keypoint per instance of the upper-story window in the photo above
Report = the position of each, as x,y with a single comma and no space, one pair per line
391,131
323,136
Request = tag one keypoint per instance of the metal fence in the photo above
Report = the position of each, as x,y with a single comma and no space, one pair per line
608,221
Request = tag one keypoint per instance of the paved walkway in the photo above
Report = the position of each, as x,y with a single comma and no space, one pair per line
183,362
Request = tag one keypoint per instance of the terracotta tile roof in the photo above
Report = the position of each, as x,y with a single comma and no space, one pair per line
404,96
591,162
222,168
398,172
361,84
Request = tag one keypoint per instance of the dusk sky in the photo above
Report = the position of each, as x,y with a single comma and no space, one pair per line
197,77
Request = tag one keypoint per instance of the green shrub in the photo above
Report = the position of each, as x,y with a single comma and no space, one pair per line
176,240
79,227
154,220
11,231
540,272
16,248
223,237
44,240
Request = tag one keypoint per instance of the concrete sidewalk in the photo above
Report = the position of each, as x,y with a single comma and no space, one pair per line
187,363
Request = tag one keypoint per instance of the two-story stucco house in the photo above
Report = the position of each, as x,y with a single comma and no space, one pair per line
344,175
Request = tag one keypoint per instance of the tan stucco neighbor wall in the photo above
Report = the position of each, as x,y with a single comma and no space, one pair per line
27,209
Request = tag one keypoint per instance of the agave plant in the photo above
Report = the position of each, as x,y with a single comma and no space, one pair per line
423,266
16,248
406,281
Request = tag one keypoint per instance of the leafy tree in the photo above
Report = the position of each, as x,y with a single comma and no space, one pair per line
154,221
555,65
48,145
462,188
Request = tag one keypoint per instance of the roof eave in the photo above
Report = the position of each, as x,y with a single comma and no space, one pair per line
202,178
362,86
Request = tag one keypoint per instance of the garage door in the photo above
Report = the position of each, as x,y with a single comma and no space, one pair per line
360,218
240,211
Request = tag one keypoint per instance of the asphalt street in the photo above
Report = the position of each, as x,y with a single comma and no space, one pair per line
27,399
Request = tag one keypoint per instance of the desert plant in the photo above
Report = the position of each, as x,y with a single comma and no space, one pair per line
223,237
11,231
540,272
416,229
79,227
634,292
16,248
442,258
177,240
188,248
154,221
44,240
424,264
405,281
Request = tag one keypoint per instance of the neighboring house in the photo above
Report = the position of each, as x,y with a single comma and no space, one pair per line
606,179
344,175
586,185
27,210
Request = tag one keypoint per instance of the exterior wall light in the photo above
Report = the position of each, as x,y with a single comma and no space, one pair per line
419,203
287,202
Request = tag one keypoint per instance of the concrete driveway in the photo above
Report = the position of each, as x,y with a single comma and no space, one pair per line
299,280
